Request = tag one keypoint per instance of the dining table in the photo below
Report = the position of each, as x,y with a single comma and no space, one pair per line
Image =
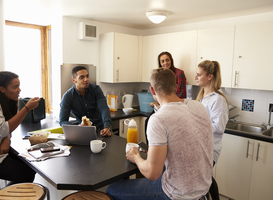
82,169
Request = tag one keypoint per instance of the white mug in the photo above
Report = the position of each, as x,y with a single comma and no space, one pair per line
97,145
128,146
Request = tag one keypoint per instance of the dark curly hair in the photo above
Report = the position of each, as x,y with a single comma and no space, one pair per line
9,106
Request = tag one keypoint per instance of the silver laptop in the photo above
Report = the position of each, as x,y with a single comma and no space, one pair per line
80,135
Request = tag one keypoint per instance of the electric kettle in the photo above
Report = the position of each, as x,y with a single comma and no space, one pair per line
127,100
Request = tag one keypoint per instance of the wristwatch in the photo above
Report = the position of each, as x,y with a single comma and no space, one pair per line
109,127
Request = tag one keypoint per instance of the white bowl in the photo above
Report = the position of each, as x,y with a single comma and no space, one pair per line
127,111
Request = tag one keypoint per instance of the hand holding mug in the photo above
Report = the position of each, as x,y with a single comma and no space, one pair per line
132,151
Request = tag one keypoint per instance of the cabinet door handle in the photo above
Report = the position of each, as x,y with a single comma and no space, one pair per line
236,78
247,149
123,128
117,75
257,157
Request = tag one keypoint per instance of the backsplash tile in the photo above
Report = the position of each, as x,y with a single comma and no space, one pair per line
259,114
247,105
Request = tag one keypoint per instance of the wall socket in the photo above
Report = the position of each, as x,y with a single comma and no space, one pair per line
270,105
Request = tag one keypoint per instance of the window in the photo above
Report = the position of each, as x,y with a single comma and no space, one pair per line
27,54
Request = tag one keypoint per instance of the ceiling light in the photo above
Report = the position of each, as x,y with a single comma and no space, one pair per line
157,16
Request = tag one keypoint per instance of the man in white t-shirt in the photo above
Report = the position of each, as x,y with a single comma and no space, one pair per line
180,138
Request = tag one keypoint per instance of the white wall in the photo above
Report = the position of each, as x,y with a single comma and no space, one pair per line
2,24
261,98
56,62
77,51
86,52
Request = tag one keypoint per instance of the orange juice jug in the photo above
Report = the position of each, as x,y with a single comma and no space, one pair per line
132,134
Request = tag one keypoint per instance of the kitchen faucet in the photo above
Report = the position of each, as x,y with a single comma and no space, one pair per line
232,118
268,125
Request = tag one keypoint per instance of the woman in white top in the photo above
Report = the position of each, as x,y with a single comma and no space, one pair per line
208,77
12,168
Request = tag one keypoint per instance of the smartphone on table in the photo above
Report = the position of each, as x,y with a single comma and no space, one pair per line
49,149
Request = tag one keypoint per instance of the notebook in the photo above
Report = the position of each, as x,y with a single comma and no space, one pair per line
79,135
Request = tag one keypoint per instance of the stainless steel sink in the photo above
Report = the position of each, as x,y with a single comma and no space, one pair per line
244,127
268,133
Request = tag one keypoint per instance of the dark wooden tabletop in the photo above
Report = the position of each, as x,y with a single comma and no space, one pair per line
82,170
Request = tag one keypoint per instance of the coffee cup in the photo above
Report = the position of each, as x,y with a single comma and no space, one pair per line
97,145
128,146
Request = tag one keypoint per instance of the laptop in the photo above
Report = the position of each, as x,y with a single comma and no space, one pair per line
79,135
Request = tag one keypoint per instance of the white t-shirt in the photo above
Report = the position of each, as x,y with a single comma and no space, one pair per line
217,108
4,131
187,131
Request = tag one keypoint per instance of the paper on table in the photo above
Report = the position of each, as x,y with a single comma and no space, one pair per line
66,150
56,136
50,130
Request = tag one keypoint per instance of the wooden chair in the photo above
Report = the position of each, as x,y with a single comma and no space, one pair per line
24,191
88,195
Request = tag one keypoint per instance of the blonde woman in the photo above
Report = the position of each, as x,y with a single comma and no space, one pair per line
208,77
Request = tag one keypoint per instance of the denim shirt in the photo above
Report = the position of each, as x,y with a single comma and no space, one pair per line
93,105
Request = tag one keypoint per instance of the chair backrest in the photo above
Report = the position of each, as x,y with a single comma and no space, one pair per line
24,191
88,195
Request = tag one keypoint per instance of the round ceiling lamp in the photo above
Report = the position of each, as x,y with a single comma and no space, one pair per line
157,16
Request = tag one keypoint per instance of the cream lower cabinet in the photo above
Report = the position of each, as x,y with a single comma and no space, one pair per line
261,185
123,127
141,133
244,169
140,127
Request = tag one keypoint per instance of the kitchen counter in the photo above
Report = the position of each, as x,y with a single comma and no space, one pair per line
119,114
255,136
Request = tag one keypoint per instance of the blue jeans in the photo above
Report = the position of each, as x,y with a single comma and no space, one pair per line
133,189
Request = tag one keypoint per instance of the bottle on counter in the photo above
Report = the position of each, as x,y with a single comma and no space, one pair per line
132,133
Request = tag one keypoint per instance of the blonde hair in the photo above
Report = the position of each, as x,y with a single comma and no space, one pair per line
163,81
211,67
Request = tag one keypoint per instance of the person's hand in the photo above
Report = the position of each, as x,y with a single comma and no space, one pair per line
105,132
132,153
33,103
5,145
154,104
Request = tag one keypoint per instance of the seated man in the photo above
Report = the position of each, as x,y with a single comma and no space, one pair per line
85,99
180,137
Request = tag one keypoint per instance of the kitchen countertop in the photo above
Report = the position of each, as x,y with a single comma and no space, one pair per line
119,114
255,136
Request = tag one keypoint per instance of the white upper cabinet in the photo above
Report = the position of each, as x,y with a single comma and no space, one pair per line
217,44
119,58
182,46
152,46
253,56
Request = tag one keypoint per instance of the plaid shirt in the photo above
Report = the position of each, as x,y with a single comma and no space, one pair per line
181,83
